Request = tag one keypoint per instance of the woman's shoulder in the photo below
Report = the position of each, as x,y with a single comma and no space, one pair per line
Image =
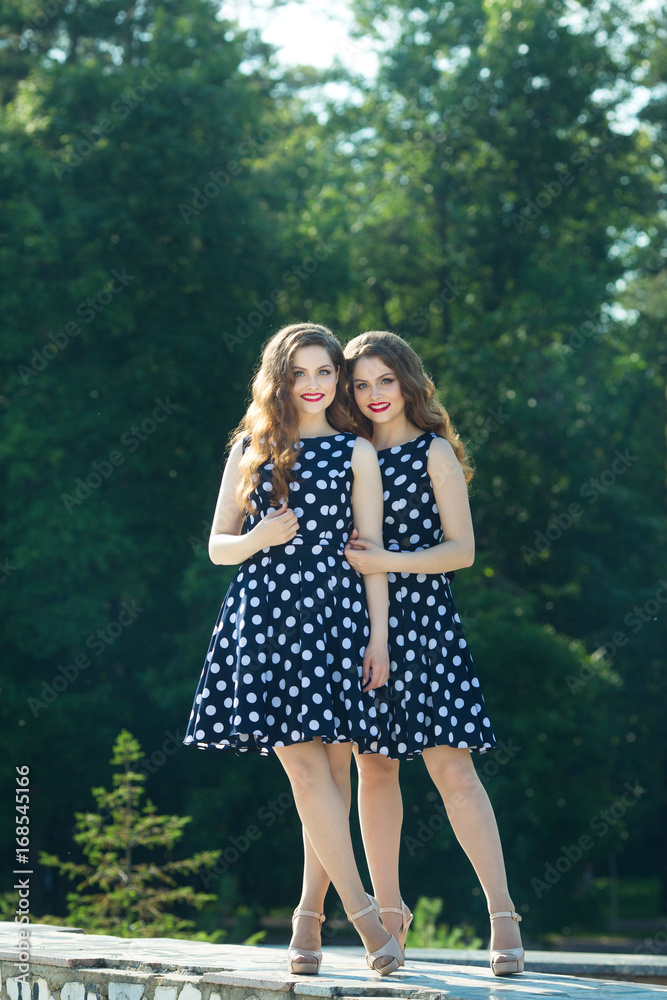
363,448
236,449
442,459
440,449
440,446
242,443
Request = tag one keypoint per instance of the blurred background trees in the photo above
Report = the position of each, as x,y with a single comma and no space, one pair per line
170,197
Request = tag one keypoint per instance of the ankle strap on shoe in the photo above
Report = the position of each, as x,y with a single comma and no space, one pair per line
361,913
309,913
506,913
391,909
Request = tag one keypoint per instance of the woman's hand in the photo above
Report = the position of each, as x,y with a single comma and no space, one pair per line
277,527
376,665
366,557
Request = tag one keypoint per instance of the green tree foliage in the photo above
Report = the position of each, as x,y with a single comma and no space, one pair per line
134,898
119,283
425,932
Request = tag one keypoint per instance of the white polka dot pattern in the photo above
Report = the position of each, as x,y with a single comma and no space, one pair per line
433,697
285,659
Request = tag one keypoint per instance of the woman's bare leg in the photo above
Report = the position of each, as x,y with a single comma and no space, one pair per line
381,817
474,823
307,930
318,798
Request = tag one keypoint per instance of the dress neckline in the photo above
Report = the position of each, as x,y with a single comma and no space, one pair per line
319,437
405,443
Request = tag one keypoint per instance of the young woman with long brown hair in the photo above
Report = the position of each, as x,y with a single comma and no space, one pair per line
432,705
300,644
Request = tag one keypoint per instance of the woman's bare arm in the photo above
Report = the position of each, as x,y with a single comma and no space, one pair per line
226,545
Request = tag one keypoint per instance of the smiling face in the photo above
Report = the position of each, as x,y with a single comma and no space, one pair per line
315,378
377,391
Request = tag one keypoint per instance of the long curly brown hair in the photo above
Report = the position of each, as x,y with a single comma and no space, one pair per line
422,406
272,419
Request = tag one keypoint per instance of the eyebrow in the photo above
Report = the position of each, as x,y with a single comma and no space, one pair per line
358,378
302,368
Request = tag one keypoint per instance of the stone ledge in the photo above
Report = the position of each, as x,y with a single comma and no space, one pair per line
66,964
579,963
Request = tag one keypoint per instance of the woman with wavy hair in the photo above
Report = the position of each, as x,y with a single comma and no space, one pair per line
432,705
300,645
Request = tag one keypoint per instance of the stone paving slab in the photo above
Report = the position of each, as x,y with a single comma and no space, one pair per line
344,973
69,965
578,963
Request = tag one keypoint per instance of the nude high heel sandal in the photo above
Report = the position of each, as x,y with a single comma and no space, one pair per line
506,961
407,916
391,949
314,958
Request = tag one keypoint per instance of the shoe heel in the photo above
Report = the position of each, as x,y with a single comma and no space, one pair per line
310,968
390,949
314,958
407,916
506,961
511,966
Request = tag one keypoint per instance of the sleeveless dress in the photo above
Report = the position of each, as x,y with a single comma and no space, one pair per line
285,660
433,697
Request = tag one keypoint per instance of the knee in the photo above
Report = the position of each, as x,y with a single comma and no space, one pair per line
376,771
340,772
305,775
454,775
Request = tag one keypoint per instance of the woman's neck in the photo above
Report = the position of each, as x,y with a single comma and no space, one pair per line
394,433
311,428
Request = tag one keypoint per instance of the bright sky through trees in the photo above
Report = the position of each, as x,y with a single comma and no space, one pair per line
313,33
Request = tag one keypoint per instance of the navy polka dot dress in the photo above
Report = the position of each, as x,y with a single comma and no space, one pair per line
285,660
433,697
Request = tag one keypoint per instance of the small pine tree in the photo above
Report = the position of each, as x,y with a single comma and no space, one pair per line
134,896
